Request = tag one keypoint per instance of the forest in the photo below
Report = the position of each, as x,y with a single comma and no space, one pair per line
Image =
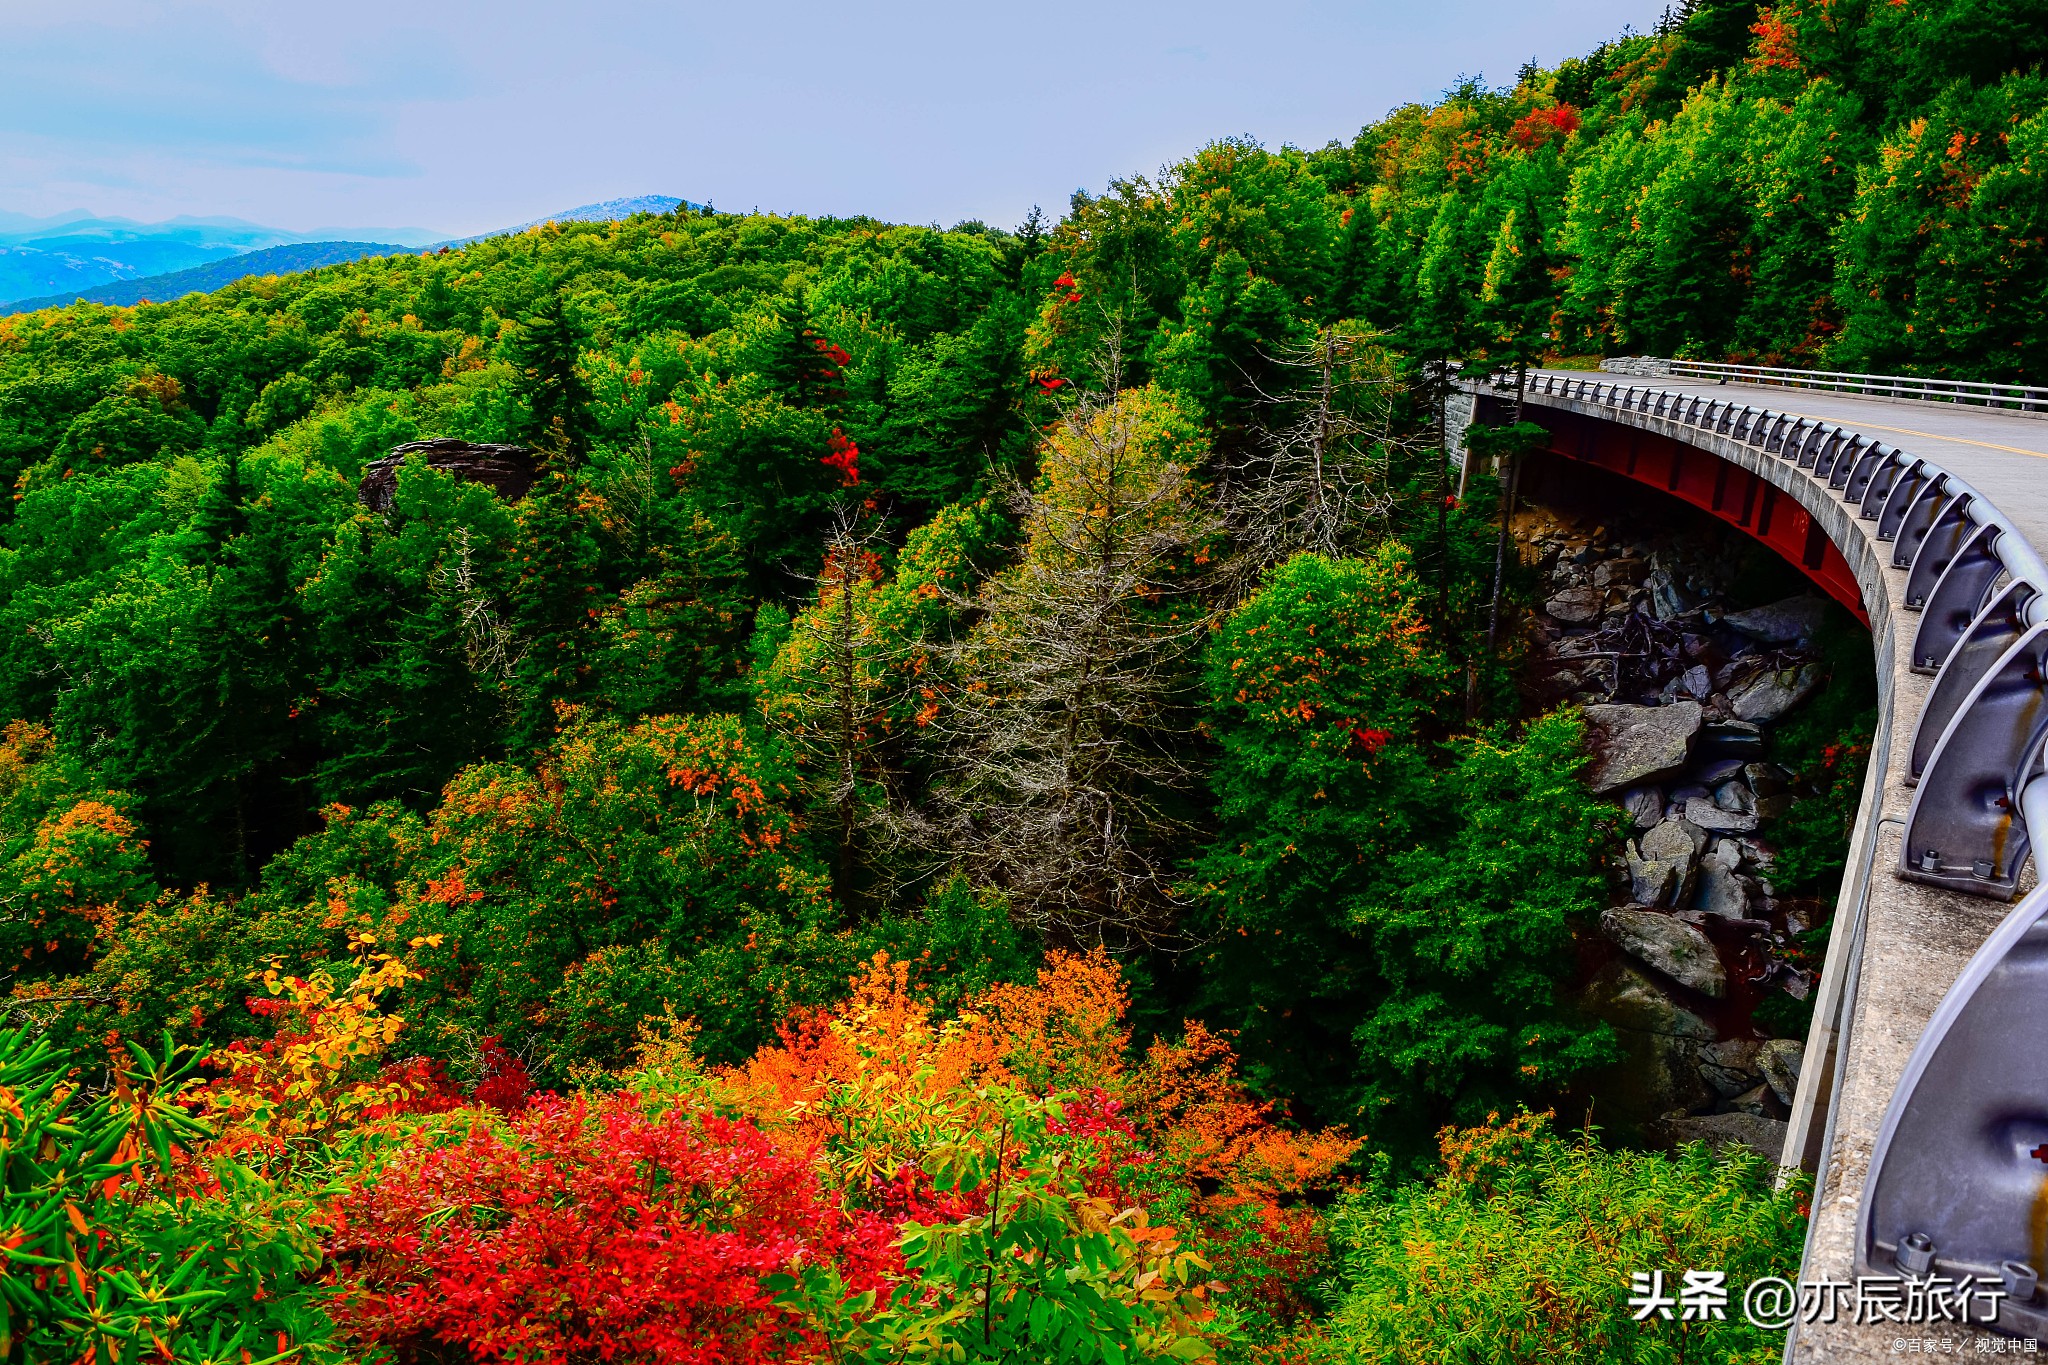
974,799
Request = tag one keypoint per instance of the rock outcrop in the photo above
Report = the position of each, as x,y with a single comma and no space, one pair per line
507,470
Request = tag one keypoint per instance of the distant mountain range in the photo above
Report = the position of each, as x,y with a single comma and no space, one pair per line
47,263
611,210
75,252
204,279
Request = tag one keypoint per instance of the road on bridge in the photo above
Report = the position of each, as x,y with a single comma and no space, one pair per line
2004,454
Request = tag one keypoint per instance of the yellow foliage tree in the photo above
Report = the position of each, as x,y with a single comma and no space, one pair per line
317,1078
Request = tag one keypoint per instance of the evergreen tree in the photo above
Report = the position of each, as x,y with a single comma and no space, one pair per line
547,353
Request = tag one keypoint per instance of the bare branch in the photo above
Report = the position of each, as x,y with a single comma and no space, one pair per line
1316,482
1064,762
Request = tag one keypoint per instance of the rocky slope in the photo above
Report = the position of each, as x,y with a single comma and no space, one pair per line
1681,689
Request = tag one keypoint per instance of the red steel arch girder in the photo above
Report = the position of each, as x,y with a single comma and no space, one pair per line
1746,501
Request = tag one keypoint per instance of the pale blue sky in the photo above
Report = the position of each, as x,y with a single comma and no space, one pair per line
460,116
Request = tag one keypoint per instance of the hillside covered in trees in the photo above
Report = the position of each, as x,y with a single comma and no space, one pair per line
977,807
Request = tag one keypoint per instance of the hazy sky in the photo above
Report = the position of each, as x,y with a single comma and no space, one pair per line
460,116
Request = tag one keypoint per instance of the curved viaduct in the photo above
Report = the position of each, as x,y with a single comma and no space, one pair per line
1922,1105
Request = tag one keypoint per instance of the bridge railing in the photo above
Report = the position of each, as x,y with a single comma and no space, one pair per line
1974,393
1952,1194
1981,593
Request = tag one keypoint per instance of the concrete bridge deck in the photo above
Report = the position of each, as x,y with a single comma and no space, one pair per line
1898,945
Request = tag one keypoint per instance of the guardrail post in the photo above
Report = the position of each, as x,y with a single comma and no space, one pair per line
2003,620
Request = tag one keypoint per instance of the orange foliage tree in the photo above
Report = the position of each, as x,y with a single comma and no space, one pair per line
877,1084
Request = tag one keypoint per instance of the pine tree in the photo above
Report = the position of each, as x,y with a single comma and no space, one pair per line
547,352
828,688
554,608
1440,333
806,367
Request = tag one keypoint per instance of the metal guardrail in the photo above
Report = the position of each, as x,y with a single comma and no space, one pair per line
1982,595
1957,1168
1967,392
1952,1198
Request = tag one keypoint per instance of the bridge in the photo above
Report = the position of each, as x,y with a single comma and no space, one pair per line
1922,1104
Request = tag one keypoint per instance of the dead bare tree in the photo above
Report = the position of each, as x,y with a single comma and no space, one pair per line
1317,481
1065,743
491,648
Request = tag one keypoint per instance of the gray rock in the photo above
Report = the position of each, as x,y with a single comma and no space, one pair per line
1698,681
1624,573
1752,1101
1651,882
1739,669
1667,599
1673,947
1644,804
1720,889
1773,807
1732,738
1781,623
1730,1067
1576,605
1735,798
1670,844
1673,841
1716,771
1768,696
1779,1060
1723,893
1627,999
1766,779
1708,816
1761,1135
1755,856
1638,744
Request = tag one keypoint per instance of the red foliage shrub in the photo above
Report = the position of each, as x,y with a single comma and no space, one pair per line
585,1230
1539,126
426,1086
1098,1119
844,456
911,1196
502,1082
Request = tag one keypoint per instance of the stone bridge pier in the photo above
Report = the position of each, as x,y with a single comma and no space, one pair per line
1924,1087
